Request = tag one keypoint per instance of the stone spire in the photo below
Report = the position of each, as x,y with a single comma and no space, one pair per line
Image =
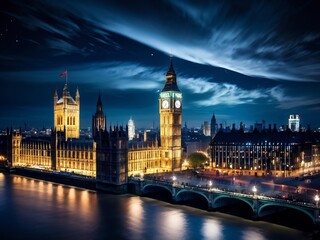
171,79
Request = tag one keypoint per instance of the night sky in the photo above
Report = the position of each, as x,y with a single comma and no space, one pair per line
242,60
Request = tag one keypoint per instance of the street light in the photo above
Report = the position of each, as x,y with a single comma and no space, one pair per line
141,175
210,184
174,178
316,198
254,190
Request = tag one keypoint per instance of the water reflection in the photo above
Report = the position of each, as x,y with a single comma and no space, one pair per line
174,222
250,234
1,180
212,229
49,188
2,190
135,217
33,209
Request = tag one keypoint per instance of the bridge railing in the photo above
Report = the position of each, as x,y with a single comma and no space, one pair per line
169,182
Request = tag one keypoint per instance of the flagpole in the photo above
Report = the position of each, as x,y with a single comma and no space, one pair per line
66,76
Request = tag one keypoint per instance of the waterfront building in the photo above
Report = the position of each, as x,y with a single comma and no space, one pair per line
112,160
107,156
268,152
54,152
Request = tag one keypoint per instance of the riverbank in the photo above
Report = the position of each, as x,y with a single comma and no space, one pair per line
57,177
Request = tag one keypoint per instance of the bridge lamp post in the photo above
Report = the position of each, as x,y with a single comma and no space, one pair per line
174,178
210,185
141,176
254,190
316,198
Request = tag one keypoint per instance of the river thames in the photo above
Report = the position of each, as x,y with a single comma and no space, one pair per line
36,209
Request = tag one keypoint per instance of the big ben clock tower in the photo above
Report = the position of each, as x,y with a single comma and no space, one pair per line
170,109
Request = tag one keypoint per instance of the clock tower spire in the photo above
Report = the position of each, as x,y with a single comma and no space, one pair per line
170,109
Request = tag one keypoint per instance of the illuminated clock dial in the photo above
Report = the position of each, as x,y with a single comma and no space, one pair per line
165,104
177,104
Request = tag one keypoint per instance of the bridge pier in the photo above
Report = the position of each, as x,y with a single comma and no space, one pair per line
255,209
135,188
174,199
317,218
211,197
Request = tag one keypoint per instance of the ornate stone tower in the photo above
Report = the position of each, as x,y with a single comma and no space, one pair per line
170,109
99,120
112,160
67,113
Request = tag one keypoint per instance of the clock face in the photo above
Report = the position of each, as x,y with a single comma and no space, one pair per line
177,104
165,104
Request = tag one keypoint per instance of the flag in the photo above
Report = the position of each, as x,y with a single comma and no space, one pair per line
65,73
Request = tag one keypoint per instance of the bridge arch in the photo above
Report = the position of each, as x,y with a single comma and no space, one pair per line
286,206
248,202
193,192
154,185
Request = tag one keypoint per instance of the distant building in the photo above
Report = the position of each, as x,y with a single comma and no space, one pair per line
150,135
266,153
131,129
214,126
294,123
206,128
258,127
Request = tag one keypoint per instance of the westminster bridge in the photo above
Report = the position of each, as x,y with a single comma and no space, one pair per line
260,205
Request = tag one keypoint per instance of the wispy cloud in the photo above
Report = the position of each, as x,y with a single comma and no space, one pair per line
120,75
289,102
129,76
235,36
110,75
222,93
62,47
232,95
222,34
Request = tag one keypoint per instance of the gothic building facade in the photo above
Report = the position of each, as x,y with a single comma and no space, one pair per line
170,108
107,156
67,113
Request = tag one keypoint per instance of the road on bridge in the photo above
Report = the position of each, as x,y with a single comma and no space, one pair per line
283,188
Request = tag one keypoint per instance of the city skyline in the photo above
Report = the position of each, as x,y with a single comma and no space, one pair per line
242,61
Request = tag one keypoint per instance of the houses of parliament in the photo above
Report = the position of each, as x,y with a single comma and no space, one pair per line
107,157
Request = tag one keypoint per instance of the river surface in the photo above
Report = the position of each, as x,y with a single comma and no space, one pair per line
36,209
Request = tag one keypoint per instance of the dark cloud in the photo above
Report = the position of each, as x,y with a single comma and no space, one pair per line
263,39
230,56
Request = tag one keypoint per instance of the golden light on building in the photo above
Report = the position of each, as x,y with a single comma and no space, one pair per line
67,113
66,152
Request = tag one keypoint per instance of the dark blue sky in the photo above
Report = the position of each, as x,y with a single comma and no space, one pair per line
243,60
